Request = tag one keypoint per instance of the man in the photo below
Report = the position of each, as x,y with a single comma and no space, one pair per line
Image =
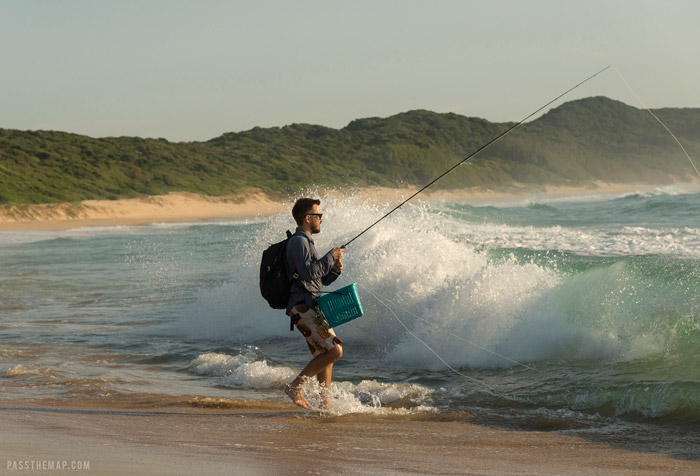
309,273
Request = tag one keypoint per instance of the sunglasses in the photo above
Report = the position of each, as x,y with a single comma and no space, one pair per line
319,215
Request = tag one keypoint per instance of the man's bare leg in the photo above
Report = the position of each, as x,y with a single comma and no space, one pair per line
322,363
324,378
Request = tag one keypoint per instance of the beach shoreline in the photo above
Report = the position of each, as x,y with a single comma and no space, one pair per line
184,207
173,207
115,439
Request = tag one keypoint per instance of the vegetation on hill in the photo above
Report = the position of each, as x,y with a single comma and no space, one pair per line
578,142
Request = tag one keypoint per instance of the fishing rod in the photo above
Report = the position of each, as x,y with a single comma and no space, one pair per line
486,145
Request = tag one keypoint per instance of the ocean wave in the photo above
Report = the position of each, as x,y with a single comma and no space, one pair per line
677,401
668,190
85,233
485,297
606,241
543,207
525,307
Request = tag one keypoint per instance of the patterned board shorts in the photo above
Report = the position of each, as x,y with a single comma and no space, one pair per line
319,336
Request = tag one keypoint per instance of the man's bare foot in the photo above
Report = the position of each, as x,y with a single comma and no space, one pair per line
297,397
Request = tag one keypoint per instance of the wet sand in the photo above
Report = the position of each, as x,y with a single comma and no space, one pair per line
270,438
183,207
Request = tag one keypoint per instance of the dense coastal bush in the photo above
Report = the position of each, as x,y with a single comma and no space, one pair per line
576,143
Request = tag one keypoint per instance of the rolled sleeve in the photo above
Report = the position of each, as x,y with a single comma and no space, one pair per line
300,260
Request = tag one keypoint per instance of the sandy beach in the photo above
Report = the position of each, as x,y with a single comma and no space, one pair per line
269,438
174,207
179,207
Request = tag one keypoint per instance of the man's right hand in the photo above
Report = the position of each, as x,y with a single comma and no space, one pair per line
337,253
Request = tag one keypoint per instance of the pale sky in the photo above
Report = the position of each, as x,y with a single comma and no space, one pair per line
192,70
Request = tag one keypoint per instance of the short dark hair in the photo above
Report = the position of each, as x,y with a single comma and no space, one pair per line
303,207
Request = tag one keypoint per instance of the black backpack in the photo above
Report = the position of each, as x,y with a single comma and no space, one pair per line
274,274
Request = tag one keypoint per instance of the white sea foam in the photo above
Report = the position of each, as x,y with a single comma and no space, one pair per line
601,241
367,396
19,371
370,396
23,371
259,375
241,371
216,364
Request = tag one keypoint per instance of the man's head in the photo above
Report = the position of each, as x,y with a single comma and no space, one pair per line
307,214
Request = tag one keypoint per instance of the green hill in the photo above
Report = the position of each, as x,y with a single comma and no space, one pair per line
576,143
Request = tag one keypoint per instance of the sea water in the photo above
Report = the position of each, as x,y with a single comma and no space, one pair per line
579,314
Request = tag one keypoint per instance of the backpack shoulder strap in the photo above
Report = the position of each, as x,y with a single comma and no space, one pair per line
295,275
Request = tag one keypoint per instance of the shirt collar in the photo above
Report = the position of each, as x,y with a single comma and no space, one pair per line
302,231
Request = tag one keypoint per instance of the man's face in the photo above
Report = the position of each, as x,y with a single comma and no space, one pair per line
315,219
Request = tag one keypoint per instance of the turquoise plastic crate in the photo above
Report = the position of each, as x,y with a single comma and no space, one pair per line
341,306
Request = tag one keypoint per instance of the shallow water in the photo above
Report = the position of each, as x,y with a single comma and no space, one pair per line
577,315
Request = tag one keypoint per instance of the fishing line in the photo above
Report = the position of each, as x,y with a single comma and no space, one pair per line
478,150
432,324
486,145
483,147
427,346
657,119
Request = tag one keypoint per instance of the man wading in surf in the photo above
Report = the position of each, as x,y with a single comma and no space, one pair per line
313,272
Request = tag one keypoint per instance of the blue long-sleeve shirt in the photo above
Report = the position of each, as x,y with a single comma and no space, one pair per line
314,272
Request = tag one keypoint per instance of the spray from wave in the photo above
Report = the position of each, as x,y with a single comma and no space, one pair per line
528,307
